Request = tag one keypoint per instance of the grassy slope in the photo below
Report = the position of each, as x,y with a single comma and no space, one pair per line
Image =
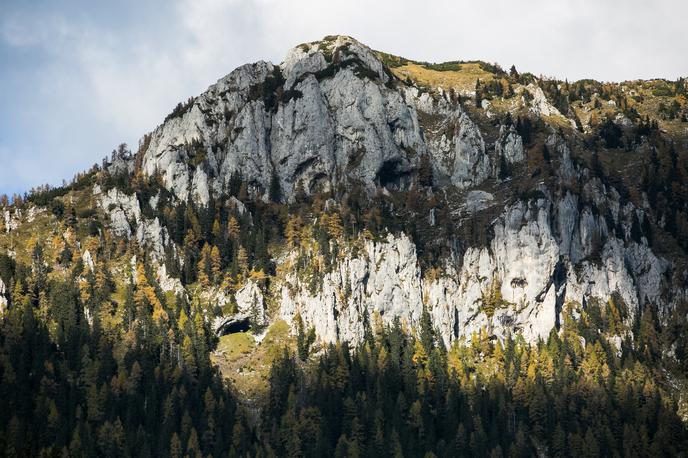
462,78
245,362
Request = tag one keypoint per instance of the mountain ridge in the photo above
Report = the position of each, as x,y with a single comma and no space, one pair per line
333,120
442,258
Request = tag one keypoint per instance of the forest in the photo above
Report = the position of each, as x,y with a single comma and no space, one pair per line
82,376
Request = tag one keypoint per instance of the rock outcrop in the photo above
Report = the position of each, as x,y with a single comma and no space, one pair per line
3,297
11,219
250,308
123,210
167,283
87,260
126,220
509,147
328,115
532,269
540,106
384,278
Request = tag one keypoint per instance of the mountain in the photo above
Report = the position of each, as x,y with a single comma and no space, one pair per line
347,191
538,222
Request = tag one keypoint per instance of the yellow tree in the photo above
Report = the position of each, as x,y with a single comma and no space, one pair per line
242,261
215,264
204,265
306,236
420,358
58,246
191,216
183,318
217,230
334,226
145,294
292,230
233,228
101,275
190,238
188,355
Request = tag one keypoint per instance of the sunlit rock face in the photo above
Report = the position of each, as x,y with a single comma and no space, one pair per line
528,261
11,219
126,220
315,122
383,278
3,297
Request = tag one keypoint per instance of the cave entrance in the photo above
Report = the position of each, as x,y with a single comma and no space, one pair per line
392,173
234,326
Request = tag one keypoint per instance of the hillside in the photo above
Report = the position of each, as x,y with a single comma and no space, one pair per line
488,257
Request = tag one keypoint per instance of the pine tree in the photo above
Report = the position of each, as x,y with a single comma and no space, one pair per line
189,356
648,342
275,191
304,339
292,231
513,72
478,94
193,446
333,223
215,264
217,230
176,447
204,267
242,261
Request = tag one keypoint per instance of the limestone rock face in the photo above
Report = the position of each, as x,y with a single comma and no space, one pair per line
471,164
528,262
540,105
3,297
151,234
452,139
11,219
384,278
126,220
123,209
326,116
87,260
476,201
509,146
250,306
251,303
167,283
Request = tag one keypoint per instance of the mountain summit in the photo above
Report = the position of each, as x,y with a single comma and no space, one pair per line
327,116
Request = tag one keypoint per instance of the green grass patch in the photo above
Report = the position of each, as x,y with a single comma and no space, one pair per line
237,344
246,363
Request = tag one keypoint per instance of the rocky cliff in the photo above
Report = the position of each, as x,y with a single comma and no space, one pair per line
518,283
3,299
327,116
546,228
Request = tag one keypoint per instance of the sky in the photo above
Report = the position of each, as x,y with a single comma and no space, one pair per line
79,77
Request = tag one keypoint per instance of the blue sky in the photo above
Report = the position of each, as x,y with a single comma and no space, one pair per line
79,77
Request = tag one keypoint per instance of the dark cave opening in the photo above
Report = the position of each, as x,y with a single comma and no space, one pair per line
234,326
392,173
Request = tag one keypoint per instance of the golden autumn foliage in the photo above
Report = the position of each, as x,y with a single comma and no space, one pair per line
145,294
